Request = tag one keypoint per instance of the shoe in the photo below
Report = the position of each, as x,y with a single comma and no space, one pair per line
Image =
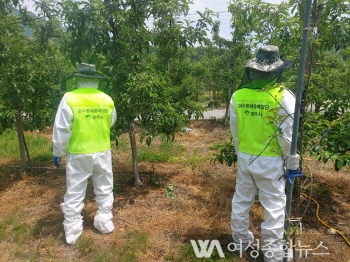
104,228
72,239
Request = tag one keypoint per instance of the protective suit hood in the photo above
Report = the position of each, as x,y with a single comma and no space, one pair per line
86,76
84,82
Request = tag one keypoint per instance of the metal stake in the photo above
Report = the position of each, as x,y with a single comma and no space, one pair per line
300,82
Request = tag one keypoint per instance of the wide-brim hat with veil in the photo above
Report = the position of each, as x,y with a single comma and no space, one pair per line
265,69
84,70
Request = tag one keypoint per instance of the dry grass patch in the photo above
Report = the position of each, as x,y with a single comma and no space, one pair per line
150,225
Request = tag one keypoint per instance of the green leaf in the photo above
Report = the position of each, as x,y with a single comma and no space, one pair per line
339,164
149,140
325,157
250,20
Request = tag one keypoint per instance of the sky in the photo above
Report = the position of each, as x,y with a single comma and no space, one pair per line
221,7
217,6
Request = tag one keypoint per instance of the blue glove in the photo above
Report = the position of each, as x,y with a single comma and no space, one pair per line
56,161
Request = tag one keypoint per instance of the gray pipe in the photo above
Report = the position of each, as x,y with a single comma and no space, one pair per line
300,82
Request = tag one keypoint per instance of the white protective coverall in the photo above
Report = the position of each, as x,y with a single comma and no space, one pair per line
79,168
262,174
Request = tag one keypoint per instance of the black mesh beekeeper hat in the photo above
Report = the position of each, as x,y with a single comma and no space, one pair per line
265,69
84,70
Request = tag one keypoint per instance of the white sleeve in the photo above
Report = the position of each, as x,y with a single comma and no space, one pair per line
114,117
62,129
234,124
286,116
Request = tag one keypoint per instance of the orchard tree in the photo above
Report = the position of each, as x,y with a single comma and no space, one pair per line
330,33
326,75
325,132
228,67
197,72
30,74
257,22
114,36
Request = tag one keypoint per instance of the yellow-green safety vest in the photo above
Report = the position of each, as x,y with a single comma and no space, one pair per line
92,112
256,110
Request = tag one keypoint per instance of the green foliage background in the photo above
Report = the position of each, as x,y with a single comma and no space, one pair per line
163,75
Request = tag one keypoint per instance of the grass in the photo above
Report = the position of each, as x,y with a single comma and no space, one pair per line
153,222
164,152
195,159
13,228
134,244
9,145
122,143
39,147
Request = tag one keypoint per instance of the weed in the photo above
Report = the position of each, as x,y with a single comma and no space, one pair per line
227,155
169,191
153,157
162,153
155,180
117,187
196,160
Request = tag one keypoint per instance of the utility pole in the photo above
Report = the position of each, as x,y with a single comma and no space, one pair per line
297,116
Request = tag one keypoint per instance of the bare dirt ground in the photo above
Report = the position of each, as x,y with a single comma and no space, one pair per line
201,209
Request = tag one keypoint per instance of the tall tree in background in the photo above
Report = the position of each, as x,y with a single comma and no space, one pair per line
114,36
232,55
155,74
28,87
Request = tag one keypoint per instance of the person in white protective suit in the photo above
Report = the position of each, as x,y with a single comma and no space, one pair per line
261,123
82,132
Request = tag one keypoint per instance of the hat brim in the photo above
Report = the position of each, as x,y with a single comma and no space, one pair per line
276,66
98,76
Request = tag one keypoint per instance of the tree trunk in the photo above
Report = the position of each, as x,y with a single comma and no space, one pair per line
19,128
27,152
228,104
317,108
197,85
316,16
134,153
